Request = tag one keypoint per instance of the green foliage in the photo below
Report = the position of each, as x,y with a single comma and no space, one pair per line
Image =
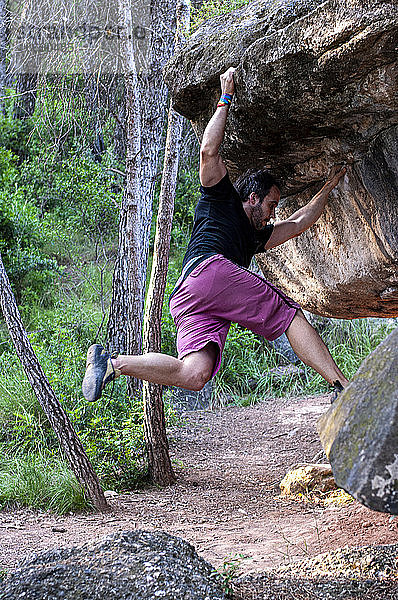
229,571
350,342
16,136
46,205
58,220
81,192
23,235
32,480
214,8
187,196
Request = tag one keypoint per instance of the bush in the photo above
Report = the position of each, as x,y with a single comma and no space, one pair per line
16,136
81,193
22,239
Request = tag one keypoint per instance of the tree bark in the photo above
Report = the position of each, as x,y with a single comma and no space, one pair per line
59,421
3,45
126,279
160,468
146,96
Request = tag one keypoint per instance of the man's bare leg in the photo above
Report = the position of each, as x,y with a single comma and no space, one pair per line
311,349
192,372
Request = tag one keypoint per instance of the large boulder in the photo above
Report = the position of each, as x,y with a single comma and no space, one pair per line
133,564
359,431
316,84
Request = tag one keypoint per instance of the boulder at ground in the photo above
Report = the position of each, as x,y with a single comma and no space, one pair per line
135,565
308,479
359,431
316,85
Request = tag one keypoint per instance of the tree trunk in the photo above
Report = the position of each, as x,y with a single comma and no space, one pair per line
3,45
160,469
126,279
145,109
59,421
119,110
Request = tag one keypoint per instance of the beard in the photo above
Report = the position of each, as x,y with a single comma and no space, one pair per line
258,218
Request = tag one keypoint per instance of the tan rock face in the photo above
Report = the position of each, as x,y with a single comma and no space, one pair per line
317,84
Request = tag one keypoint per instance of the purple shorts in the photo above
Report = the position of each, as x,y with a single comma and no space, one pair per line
217,293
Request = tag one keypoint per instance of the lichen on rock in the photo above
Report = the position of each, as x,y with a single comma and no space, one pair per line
359,432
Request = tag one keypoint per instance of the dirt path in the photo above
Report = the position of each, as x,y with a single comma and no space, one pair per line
229,464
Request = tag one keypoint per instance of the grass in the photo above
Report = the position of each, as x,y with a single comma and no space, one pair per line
42,483
229,571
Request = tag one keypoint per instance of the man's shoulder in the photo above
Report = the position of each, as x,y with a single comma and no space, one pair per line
223,191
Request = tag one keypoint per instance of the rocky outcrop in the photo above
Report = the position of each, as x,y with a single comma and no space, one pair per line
133,564
359,432
317,84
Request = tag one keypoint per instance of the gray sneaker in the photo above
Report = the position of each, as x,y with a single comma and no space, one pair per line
99,372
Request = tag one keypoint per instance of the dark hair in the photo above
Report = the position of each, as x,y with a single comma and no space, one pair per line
260,182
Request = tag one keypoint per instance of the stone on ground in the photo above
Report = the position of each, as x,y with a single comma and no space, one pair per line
307,479
131,565
359,431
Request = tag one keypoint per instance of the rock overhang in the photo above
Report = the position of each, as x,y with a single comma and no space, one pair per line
316,84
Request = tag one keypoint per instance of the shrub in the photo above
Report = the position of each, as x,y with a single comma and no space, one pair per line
22,239
16,136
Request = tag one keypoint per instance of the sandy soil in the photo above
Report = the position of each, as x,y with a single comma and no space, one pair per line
226,501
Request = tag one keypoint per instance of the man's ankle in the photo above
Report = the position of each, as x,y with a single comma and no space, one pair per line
117,364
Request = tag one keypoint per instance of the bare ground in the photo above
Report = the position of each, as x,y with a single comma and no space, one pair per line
226,501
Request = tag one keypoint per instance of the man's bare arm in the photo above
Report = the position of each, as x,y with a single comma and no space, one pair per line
212,168
306,216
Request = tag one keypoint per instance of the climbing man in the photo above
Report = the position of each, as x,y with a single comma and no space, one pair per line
231,225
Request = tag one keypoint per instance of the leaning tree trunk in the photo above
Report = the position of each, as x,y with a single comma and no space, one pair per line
146,96
59,421
160,469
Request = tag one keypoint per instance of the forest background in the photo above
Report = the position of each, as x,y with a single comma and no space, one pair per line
62,165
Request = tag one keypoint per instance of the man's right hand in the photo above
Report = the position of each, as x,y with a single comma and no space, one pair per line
336,173
227,81
212,168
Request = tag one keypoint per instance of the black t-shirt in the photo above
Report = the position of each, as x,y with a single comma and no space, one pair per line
221,226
